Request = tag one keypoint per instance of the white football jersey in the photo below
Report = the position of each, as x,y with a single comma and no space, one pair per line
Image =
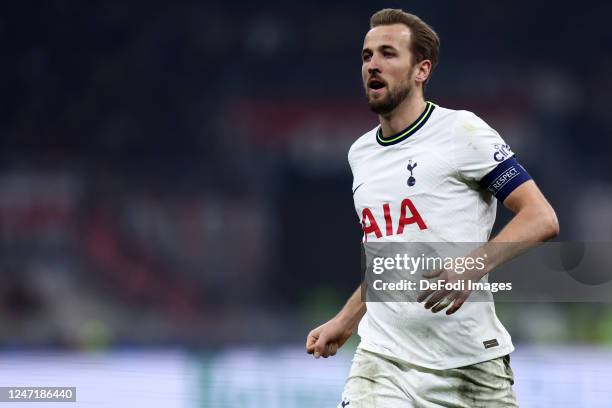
422,185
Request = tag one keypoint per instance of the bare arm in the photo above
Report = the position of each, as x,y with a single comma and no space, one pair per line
353,310
326,339
534,221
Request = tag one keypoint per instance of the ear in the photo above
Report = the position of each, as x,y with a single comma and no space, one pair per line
423,69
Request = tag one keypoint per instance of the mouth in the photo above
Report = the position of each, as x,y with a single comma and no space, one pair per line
376,84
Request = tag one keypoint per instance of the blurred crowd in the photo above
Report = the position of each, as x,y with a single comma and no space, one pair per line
175,173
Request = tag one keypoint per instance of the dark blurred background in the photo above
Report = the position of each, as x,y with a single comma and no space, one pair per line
175,173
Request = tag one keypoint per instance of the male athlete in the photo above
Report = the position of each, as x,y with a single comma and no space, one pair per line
429,174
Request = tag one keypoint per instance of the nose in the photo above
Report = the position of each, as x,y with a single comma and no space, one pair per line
373,65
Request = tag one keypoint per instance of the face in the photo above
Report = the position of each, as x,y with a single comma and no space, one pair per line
387,70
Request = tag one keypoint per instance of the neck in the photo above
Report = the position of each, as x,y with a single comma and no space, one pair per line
403,115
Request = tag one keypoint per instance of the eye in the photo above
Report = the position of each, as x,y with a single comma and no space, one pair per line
388,54
366,57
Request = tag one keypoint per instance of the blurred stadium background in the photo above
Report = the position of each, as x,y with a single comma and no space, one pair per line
175,201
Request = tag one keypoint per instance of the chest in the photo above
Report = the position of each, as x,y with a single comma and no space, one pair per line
392,173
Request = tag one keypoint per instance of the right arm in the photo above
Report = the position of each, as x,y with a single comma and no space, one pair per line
326,339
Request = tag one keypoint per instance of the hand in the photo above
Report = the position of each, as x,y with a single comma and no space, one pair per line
326,339
441,298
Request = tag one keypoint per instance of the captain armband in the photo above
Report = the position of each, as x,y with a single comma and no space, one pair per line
505,178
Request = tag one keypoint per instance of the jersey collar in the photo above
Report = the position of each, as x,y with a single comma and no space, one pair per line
404,134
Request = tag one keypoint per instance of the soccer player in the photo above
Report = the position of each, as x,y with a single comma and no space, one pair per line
429,174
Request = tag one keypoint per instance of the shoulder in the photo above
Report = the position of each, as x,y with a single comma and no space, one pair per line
453,122
458,119
476,147
467,123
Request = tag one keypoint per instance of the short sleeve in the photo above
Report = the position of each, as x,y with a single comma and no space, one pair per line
482,156
478,148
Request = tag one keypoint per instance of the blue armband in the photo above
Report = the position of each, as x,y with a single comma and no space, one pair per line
504,178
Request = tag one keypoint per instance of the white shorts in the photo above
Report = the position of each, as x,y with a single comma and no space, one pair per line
377,382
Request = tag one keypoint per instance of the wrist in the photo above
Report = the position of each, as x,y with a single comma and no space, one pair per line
477,274
344,320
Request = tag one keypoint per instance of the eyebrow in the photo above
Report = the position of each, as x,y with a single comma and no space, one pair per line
384,47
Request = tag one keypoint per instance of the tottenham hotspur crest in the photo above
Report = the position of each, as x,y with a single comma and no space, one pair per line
411,179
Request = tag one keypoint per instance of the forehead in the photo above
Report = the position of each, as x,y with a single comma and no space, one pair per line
396,35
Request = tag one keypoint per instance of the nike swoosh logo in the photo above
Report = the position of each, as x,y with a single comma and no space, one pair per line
357,188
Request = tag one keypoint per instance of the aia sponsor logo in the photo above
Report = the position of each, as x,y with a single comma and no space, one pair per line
408,214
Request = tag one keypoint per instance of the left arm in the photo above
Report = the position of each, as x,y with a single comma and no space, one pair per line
534,221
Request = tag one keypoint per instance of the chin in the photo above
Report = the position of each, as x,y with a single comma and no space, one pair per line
380,107
377,100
